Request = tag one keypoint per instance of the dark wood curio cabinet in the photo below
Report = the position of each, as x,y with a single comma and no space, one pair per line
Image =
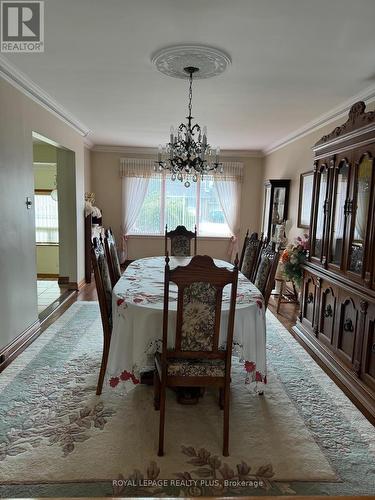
337,317
275,208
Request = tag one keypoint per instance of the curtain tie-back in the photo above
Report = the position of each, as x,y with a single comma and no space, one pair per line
124,238
233,246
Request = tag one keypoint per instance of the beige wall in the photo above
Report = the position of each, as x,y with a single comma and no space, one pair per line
47,259
106,184
20,116
44,153
87,168
292,160
45,176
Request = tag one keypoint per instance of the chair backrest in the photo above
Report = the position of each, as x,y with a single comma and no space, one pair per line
112,256
181,241
250,254
200,287
103,284
266,270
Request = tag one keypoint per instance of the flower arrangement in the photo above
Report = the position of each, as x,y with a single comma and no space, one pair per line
294,257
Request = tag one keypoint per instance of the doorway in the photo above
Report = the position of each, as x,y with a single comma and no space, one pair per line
54,195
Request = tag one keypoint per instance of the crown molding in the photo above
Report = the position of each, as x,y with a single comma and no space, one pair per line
44,164
24,84
242,153
131,150
368,95
88,143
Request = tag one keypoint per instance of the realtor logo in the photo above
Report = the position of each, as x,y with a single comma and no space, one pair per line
22,26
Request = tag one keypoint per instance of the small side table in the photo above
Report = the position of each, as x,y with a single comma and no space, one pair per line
285,289
287,294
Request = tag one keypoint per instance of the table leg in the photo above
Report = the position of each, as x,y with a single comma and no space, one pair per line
280,296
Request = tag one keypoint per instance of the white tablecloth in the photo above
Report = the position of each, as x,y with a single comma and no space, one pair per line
137,315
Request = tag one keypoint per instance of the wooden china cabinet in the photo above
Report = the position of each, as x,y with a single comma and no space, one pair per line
337,317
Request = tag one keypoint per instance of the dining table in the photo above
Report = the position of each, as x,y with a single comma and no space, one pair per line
137,323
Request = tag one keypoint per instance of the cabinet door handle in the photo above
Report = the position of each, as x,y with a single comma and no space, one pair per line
348,325
328,311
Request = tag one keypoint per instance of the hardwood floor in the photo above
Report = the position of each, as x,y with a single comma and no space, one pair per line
287,315
87,293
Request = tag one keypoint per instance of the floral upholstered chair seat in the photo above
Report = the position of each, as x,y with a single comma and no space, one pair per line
196,367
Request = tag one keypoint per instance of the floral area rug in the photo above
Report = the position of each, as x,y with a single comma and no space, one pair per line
57,438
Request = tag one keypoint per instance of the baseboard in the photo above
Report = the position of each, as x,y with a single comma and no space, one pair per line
82,284
63,280
24,339
14,348
56,304
47,276
70,285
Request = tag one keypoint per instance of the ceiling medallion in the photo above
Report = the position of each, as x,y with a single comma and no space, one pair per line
173,60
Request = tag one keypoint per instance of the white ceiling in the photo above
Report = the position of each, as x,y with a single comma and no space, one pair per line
292,60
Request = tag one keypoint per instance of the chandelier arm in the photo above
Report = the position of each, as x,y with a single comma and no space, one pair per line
197,127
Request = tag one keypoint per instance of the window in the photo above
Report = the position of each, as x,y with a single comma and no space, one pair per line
170,202
46,218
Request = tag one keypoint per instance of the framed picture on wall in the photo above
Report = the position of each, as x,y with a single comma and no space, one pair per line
305,199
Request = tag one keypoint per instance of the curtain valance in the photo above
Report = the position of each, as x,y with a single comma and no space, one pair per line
135,167
233,171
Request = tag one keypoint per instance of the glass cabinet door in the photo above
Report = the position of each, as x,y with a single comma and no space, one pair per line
360,210
266,209
320,216
278,208
339,217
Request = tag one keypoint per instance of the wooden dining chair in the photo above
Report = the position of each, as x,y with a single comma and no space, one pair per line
264,278
197,359
250,255
112,256
180,241
264,241
104,290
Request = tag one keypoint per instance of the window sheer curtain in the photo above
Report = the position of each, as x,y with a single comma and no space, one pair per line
228,186
46,219
135,174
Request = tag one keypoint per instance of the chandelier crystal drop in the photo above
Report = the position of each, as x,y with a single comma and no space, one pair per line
187,155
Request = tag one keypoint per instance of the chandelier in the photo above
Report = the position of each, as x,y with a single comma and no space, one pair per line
187,155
